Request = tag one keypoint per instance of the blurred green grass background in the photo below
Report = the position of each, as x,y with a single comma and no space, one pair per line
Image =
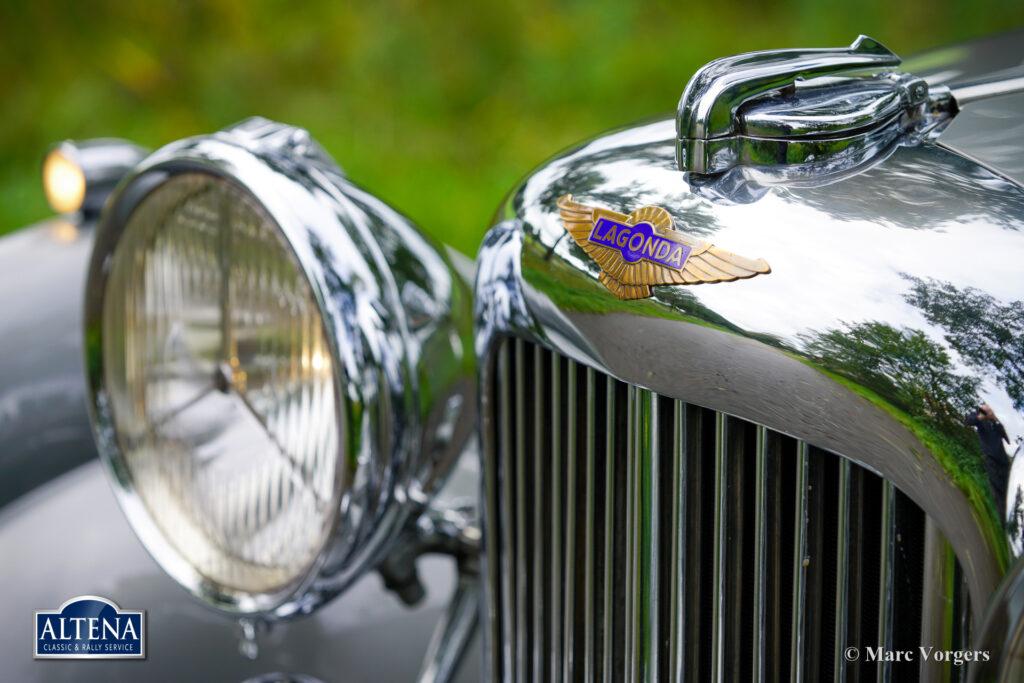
438,107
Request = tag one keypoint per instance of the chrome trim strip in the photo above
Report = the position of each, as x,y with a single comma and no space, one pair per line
556,516
589,524
799,568
521,586
453,633
569,610
965,94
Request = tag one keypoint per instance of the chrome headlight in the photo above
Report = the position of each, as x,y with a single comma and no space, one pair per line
256,329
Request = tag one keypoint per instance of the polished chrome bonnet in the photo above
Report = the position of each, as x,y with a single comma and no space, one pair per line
394,314
854,342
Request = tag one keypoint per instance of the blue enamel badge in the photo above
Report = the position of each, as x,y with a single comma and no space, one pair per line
639,241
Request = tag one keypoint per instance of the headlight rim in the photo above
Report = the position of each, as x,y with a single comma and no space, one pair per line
278,180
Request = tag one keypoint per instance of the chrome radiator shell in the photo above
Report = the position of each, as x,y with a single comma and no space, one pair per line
843,255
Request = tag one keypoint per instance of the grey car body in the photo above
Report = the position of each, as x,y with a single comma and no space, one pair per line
948,209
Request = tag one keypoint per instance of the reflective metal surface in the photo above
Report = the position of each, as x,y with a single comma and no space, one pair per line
1002,634
985,77
991,58
830,557
818,114
396,319
793,107
453,634
712,96
991,131
893,309
968,93
864,272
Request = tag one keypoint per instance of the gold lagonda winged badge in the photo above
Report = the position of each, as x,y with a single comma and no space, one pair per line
641,250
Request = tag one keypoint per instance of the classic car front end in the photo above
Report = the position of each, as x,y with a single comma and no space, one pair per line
719,364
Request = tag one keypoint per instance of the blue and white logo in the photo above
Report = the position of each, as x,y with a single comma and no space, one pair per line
90,627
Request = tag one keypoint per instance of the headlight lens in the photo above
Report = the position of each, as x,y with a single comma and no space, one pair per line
221,385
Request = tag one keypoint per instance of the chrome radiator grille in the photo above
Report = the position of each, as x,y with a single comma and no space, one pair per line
631,536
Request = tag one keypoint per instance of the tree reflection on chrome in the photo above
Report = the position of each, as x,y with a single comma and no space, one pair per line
914,379
901,365
989,335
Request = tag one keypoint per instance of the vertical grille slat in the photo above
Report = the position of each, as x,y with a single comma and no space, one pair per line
540,519
569,581
842,560
886,580
608,571
631,536
648,542
505,473
677,522
761,545
590,541
799,569
522,551
555,620
718,548
630,593
492,621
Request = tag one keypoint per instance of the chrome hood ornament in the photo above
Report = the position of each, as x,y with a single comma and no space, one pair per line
808,106
640,250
